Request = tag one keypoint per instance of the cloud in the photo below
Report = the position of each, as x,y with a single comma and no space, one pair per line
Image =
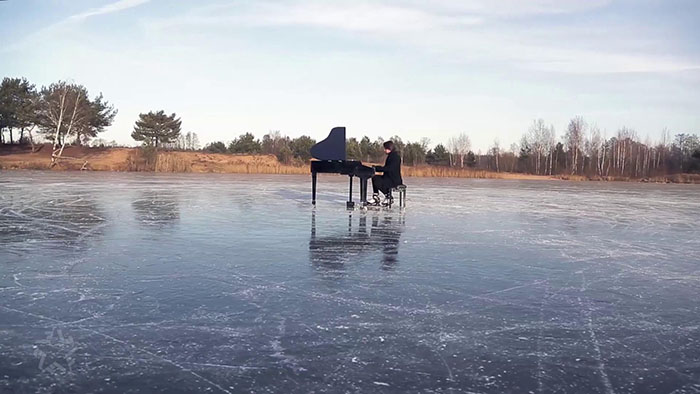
354,17
108,9
358,17
52,30
513,8
592,62
371,16
470,31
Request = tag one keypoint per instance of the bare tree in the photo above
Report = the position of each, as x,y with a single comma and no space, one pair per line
623,140
648,153
663,147
514,149
574,141
601,152
496,152
459,146
551,143
592,148
62,109
192,141
539,139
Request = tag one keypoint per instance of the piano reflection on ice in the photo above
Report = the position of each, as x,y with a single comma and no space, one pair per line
331,158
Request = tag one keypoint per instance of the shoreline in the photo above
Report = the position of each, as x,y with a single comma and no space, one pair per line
77,158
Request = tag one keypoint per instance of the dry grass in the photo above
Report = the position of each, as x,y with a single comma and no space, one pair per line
452,172
241,164
23,165
209,163
434,171
133,159
167,162
576,178
675,178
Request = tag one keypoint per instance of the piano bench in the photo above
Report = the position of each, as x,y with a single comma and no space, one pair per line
401,190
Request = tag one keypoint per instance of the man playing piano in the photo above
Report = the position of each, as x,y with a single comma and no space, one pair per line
391,176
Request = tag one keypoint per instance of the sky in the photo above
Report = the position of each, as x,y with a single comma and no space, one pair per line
435,69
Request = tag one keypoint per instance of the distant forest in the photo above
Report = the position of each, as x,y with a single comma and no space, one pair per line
63,113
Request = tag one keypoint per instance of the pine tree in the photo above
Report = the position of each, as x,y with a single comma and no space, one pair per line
17,105
100,116
246,143
301,147
216,147
470,159
440,155
156,128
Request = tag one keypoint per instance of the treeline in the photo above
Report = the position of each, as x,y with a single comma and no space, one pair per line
582,150
64,113
585,150
297,150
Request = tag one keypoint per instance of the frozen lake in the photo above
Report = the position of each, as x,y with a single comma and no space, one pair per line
142,283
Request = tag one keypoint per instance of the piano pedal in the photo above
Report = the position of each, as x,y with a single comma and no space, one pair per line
388,201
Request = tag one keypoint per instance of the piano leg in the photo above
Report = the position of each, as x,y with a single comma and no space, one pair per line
363,190
350,204
313,188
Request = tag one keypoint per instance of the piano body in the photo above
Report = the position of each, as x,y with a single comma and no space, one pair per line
331,158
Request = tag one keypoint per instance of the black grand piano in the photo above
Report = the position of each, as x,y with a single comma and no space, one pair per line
331,158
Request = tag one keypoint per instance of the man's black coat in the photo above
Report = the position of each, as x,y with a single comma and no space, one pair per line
392,170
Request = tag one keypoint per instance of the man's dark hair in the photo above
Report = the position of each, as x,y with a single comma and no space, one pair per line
389,145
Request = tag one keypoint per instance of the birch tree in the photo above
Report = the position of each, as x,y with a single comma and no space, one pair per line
496,152
459,146
551,142
574,141
592,148
64,111
537,141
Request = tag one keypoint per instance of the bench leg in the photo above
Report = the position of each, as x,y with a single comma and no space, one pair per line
350,204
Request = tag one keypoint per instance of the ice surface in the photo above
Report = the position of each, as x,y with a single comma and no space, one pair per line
228,283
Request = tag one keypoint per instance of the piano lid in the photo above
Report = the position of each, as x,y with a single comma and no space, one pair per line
331,148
